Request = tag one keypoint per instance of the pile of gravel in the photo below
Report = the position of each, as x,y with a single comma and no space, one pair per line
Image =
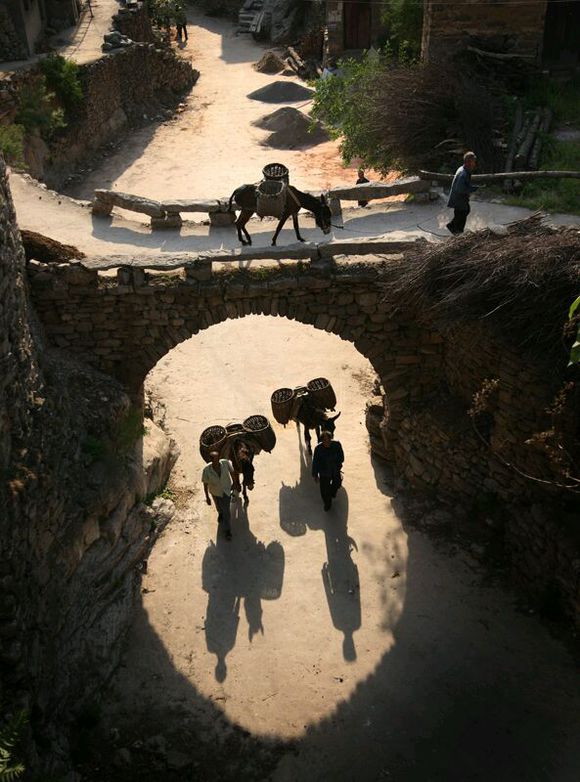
290,128
282,92
270,62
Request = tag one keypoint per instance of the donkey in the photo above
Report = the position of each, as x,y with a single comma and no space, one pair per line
312,417
242,456
246,198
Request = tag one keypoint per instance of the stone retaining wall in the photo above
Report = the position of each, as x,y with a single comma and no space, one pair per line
119,89
517,28
74,470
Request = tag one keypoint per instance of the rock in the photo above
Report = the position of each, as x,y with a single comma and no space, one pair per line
157,744
122,758
270,62
177,761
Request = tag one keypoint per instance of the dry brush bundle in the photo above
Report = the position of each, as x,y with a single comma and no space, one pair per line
519,283
427,113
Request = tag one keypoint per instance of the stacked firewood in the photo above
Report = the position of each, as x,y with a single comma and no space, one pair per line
528,134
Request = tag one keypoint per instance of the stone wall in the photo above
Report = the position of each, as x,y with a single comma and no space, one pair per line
503,27
429,375
12,45
134,23
119,89
75,467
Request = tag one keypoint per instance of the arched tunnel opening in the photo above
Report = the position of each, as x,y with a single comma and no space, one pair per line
313,639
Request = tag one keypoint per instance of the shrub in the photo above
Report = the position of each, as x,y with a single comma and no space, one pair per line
62,77
406,116
37,111
12,144
403,20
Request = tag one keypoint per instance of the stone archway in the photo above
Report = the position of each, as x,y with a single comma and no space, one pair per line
125,328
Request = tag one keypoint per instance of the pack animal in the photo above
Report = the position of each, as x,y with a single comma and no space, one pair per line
246,198
314,418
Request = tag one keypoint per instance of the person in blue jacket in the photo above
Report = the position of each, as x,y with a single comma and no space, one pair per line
461,189
326,466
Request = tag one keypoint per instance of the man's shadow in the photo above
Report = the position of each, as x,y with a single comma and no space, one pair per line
243,569
301,510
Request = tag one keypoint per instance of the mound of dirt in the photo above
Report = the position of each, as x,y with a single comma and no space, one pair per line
290,128
270,62
281,92
43,248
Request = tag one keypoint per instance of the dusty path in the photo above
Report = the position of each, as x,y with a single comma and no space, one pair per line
212,147
381,655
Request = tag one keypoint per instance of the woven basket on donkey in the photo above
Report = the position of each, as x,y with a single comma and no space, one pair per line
281,401
276,171
322,393
261,429
271,198
211,439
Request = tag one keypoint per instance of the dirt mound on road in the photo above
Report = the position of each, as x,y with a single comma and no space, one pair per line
270,62
282,92
290,128
42,248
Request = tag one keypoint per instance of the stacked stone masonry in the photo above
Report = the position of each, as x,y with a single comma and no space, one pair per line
73,529
517,28
429,375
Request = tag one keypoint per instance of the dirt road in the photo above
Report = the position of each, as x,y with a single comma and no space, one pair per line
376,652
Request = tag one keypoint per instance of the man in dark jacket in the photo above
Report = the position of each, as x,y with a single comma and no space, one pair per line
326,466
461,189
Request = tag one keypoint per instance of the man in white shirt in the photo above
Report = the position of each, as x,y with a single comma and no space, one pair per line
217,481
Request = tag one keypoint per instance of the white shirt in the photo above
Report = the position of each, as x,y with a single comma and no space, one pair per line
218,485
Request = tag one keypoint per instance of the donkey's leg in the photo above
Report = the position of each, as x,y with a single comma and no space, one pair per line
279,228
308,440
239,227
297,228
241,223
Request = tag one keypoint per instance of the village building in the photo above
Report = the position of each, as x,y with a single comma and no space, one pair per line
546,32
24,22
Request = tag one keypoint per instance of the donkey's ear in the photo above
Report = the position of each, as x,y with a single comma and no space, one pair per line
323,199
336,416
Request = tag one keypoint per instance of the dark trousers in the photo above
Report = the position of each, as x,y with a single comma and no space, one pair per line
181,31
223,508
457,225
329,487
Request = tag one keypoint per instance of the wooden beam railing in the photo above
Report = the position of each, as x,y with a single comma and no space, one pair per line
432,176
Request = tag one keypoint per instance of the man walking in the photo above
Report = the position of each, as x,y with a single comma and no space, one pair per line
361,181
461,189
181,24
217,481
326,466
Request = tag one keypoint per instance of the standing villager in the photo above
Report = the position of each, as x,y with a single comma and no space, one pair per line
181,24
326,467
217,480
461,189
361,181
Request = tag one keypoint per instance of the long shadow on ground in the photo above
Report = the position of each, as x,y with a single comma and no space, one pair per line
472,690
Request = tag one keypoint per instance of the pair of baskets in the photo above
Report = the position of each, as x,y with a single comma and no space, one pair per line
320,391
214,438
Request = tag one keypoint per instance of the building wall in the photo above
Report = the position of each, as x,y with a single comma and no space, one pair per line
484,23
335,27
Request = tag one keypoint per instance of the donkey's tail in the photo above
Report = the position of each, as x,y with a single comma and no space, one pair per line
233,195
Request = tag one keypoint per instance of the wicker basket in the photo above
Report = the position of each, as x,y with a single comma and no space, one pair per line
211,439
271,198
276,171
281,401
322,393
261,429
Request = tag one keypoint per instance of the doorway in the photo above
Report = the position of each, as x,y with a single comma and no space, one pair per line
562,33
357,25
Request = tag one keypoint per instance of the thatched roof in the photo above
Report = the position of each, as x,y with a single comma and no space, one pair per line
521,282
